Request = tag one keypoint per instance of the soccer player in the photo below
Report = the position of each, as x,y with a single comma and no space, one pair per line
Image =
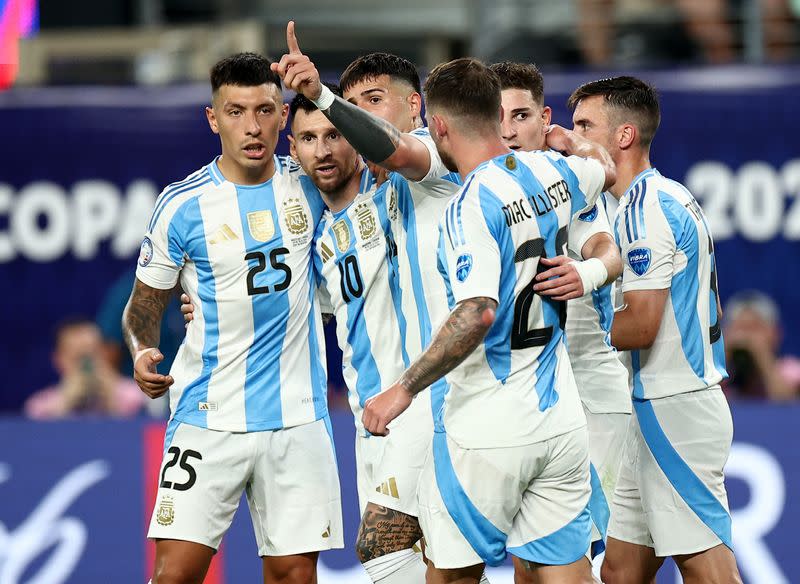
384,101
510,466
670,497
601,377
248,393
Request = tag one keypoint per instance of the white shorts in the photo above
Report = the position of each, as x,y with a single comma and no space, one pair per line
606,442
289,476
388,468
670,494
531,500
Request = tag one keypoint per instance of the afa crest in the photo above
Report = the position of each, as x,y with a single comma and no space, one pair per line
261,226
295,216
166,511
341,233
367,225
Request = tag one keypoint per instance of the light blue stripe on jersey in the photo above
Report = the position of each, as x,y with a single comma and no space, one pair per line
598,508
640,209
487,541
368,382
601,299
319,380
578,197
562,547
636,368
691,489
186,222
216,175
497,343
174,190
685,287
172,426
262,384
548,228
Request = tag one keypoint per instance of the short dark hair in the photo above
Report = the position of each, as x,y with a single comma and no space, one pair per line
301,102
631,99
520,76
376,64
464,88
243,70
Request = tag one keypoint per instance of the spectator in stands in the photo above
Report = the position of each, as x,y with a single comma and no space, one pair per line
752,339
88,383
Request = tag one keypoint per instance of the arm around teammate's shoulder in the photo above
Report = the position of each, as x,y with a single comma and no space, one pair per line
566,141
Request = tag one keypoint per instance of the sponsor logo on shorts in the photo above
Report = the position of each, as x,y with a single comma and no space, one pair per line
327,532
146,252
463,266
589,216
207,406
166,511
389,488
639,260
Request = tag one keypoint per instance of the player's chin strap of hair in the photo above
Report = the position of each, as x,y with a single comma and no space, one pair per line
593,274
372,137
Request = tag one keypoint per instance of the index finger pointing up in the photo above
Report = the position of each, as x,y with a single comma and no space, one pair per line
291,39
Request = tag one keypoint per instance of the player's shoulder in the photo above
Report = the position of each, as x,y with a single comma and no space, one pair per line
178,194
652,190
195,181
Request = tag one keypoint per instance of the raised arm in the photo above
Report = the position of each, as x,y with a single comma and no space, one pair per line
570,143
141,327
376,139
459,336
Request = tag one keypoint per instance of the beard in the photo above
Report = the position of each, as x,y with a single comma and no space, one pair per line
328,185
447,160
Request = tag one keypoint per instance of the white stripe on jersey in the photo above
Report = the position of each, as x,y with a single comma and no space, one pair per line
666,243
253,359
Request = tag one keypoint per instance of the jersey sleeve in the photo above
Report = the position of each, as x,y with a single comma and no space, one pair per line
647,246
590,178
437,171
161,255
585,226
469,251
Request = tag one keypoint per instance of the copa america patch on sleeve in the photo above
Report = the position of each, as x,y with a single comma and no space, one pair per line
463,266
639,260
146,252
589,215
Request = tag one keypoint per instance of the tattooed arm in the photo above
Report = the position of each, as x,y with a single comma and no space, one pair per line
141,327
463,331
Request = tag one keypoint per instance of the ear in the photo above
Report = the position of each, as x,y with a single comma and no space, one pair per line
212,119
292,146
415,104
547,115
439,125
626,136
502,114
284,115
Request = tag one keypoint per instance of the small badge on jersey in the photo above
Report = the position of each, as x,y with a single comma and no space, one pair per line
392,205
261,226
295,216
511,162
367,225
146,252
341,233
589,215
639,260
463,266
207,406
166,511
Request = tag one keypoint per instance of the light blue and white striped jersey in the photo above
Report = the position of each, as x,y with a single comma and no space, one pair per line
666,243
254,356
353,256
517,387
601,377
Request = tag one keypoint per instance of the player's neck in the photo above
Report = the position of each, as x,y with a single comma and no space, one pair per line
241,175
340,198
628,168
471,151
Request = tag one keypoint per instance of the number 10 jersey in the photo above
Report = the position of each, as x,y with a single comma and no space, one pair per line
254,356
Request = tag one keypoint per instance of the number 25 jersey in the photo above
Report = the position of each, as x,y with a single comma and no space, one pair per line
517,387
253,358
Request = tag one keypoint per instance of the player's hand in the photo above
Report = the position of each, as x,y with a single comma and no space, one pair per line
558,138
561,281
296,69
385,407
150,381
187,309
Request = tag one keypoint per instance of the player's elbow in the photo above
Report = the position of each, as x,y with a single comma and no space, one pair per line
611,173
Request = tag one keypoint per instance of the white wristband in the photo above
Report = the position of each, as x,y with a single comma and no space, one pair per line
593,274
325,99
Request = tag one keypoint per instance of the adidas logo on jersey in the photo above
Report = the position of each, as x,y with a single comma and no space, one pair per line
223,234
389,488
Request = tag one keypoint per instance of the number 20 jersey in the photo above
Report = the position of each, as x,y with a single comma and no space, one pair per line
254,356
517,387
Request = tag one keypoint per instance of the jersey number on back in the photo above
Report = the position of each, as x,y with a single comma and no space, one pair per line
276,264
521,336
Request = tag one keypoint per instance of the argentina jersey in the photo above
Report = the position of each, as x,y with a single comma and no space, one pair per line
253,358
666,244
517,387
601,377
352,254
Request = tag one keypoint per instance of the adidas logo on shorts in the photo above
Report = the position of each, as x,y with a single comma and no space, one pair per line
389,488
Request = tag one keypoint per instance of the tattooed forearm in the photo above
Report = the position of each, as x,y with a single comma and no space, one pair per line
454,341
375,138
141,321
383,531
